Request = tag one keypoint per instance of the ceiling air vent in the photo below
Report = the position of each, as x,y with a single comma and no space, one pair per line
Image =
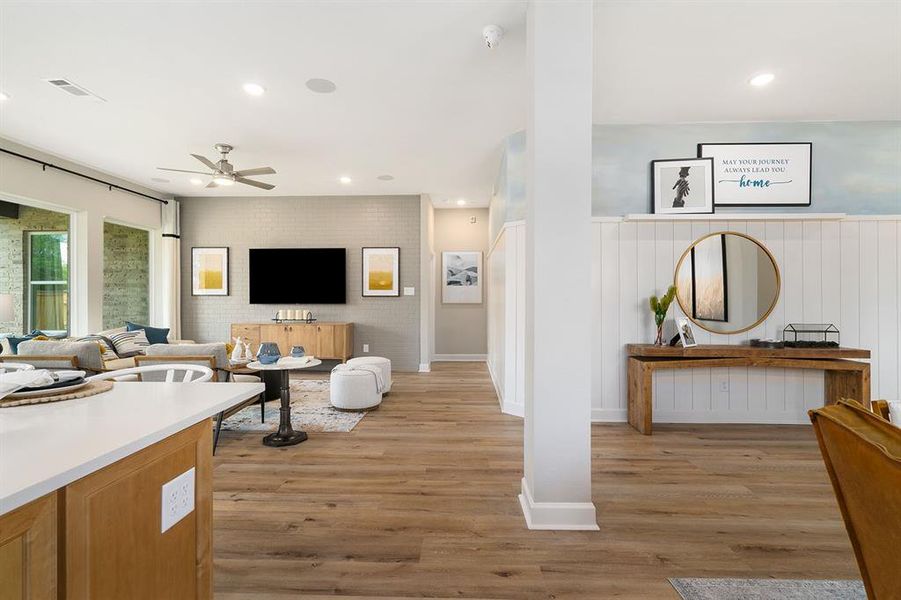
73,89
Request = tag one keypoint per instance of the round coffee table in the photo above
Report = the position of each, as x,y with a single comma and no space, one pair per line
285,436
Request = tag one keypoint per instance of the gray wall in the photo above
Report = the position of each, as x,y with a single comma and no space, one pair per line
460,328
389,325
856,165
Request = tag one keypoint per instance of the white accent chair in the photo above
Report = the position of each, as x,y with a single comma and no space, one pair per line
354,389
192,373
383,364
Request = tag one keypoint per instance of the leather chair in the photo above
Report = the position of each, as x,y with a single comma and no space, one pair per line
862,453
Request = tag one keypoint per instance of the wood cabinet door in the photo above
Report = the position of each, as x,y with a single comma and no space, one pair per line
302,334
28,551
248,332
115,546
327,346
278,334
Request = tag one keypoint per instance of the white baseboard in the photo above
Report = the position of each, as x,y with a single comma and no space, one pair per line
557,515
459,357
425,367
513,408
609,415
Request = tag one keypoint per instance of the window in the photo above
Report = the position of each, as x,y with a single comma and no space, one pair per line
47,281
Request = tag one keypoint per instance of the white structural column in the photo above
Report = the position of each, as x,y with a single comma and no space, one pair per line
556,489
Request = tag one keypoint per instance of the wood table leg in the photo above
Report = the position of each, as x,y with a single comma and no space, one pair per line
641,387
849,384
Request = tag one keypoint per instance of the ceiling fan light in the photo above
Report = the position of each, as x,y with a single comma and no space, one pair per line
223,180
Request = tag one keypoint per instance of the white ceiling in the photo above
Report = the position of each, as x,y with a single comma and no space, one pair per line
418,96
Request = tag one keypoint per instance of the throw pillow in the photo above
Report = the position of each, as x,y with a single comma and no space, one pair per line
129,343
155,335
15,341
894,413
106,346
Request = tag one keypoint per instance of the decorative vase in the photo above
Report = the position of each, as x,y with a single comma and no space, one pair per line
660,320
268,353
298,351
237,350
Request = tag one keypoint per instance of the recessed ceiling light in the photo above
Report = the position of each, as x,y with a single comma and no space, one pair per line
385,177
254,89
197,181
4,96
762,79
461,202
321,86
159,180
345,180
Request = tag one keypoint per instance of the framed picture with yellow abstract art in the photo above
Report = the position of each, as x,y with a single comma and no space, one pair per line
381,272
209,271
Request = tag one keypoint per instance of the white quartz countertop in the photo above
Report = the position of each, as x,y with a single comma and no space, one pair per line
44,447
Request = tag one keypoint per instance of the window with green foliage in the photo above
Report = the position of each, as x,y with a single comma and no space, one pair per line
47,254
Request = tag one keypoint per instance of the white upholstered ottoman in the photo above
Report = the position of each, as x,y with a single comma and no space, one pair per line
383,364
354,389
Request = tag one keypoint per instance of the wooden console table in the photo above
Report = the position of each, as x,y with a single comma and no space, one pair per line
845,377
320,339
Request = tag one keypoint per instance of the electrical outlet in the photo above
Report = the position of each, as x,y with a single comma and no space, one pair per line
365,347
724,386
177,499
409,291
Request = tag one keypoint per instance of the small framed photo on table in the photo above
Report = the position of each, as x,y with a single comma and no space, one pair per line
682,186
686,334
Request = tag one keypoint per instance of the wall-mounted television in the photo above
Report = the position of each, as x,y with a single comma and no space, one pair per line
298,276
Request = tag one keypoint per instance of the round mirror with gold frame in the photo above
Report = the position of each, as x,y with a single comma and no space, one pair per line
727,282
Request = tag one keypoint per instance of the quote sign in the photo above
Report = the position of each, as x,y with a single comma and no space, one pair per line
776,174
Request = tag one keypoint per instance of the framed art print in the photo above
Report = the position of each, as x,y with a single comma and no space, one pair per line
686,334
209,271
682,186
761,174
381,272
462,281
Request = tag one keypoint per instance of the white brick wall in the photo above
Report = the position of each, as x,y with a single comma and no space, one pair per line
389,325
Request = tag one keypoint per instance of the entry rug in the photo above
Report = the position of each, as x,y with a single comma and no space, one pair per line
769,589
310,411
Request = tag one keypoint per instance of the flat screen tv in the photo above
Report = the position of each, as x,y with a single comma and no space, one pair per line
298,276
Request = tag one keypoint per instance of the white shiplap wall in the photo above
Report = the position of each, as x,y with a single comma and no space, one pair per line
845,271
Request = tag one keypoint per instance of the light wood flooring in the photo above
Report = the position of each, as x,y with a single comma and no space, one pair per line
420,501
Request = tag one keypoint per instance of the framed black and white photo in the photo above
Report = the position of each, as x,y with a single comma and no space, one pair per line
682,186
462,282
760,174
686,333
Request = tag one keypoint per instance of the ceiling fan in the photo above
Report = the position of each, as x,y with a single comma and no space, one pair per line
223,172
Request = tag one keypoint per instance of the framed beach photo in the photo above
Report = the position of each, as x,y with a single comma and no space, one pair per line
462,281
686,333
209,271
761,174
381,272
682,186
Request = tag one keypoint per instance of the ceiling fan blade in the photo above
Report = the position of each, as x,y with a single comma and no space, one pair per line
259,184
182,171
257,171
212,184
206,161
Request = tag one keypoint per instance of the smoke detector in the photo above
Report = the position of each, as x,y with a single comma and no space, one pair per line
492,35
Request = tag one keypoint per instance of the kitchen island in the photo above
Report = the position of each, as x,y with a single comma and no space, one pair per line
83,512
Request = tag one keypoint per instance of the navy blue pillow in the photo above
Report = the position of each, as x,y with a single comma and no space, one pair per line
155,335
15,341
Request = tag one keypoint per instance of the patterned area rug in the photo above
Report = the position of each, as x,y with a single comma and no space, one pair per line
769,589
310,411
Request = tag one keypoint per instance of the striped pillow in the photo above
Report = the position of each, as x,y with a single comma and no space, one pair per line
129,343
106,346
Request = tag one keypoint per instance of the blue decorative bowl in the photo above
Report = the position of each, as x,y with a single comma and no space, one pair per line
298,351
268,353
